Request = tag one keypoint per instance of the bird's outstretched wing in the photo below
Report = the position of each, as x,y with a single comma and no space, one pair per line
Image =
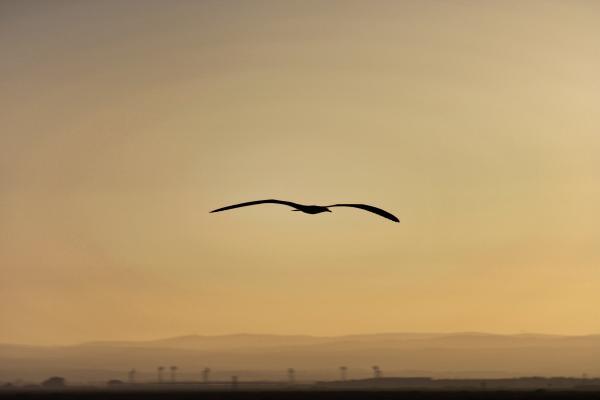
372,209
251,203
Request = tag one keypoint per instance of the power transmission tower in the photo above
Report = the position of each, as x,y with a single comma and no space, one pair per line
131,375
291,375
205,374
343,373
173,371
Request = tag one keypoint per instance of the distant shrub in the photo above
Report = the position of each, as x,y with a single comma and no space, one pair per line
54,382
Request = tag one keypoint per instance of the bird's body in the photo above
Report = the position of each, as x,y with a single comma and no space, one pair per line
313,209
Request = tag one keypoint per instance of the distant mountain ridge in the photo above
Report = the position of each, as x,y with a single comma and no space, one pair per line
459,339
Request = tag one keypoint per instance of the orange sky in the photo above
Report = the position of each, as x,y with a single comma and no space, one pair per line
124,123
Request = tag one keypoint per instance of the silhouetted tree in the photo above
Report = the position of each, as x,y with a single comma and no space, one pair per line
291,372
159,372
54,382
376,371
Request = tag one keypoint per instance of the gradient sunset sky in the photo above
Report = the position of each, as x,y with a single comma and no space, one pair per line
122,123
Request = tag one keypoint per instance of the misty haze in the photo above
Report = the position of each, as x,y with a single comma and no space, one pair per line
123,123
256,357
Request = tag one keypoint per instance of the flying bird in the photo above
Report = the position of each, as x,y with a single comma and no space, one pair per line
313,209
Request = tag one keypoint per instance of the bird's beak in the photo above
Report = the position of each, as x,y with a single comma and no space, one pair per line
328,210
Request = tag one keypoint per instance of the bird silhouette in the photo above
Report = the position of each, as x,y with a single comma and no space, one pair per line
313,209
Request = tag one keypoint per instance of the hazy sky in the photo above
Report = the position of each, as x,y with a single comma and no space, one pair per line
122,123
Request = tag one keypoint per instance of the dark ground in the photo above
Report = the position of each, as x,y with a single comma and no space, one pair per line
296,395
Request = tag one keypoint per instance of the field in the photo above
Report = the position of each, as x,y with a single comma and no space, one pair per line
293,395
